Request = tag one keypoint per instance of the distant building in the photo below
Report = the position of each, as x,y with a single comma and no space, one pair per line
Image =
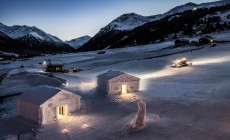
46,104
206,40
195,43
116,82
7,56
181,42
53,66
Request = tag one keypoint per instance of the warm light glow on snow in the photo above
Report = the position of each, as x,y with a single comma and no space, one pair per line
126,97
212,61
65,130
167,71
85,125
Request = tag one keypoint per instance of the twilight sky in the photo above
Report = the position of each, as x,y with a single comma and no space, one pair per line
68,19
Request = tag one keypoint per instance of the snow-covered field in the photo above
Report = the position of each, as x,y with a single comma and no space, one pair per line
190,103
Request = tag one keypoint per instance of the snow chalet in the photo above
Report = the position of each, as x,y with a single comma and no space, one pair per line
45,104
52,66
116,82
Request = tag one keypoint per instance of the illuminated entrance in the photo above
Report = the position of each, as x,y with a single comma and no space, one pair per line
124,89
62,111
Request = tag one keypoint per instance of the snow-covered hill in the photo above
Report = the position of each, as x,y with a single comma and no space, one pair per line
131,20
78,42
193,6
17,31
127,22
30,40
181,8
187,19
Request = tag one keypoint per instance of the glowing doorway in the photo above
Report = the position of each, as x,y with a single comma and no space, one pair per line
124,89
62,111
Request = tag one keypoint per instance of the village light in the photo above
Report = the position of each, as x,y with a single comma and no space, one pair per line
134,97
194,9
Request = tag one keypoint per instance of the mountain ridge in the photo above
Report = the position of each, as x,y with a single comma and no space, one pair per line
157,28
78,42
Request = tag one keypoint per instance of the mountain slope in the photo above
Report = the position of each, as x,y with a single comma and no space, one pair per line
121,24
8,44
127,22
30,40
181,8
17,31
78,42
181,20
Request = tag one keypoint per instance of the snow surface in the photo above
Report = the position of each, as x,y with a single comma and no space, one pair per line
182,103
6,53
223,16
36,35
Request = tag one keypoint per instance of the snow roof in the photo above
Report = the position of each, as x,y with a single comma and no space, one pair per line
41,94
111,74
54,62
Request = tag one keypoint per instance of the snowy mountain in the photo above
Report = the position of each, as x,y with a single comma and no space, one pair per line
189,19
78,42
17,31
181,8
127,22
30,41
193,6
131,20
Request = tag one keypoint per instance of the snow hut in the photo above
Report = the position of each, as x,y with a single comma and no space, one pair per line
45,104
116,82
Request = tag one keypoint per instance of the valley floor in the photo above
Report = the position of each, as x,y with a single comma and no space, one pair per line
182,103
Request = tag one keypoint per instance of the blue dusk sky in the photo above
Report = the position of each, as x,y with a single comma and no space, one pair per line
68,19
